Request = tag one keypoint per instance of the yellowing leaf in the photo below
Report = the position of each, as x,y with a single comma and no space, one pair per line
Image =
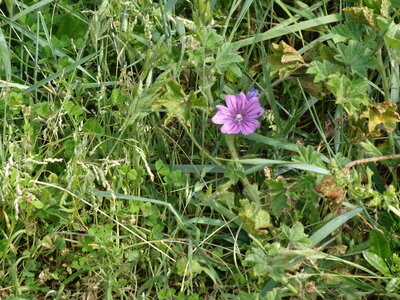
382,113
254,218
285,59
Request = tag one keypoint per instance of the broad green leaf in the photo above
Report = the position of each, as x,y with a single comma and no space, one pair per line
295,236
93,126
379,244
173,99
184,267
279,197
377,262
382,113
331,226
234,173
349,30
357,56
308,155
352,94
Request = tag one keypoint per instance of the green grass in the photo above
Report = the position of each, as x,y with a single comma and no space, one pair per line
117,185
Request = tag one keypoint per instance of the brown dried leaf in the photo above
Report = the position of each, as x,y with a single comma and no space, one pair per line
329,188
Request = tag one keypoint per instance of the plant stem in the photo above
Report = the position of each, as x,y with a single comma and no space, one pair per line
249,190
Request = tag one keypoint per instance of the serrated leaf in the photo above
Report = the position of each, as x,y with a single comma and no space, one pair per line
321,70
255,219
226,57
352,94
377,262
308,155
279,197
357,56
173,100
212,39
382,113
294,236
348,31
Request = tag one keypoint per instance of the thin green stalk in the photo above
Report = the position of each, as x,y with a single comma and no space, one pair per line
385,81
250,191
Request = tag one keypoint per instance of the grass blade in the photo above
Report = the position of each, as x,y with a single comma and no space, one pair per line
280,31
31,9
282,163
59,73
332,225
5,56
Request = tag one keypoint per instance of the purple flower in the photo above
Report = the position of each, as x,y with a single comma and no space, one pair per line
241,113
252,93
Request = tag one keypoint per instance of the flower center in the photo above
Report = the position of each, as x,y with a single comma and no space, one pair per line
239,118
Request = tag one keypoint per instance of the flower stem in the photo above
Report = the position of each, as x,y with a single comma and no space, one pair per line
249,190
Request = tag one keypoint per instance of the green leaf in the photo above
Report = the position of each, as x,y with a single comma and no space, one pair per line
226,57
173,99
352,94
183,266
279,197
43,109
357,56
93,126
379,244
349,30
377,262
308,155
295,236
234,173
321,70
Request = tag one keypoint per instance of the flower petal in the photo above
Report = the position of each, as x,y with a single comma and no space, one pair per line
249,126
231,127
252,109
223,115
236,103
